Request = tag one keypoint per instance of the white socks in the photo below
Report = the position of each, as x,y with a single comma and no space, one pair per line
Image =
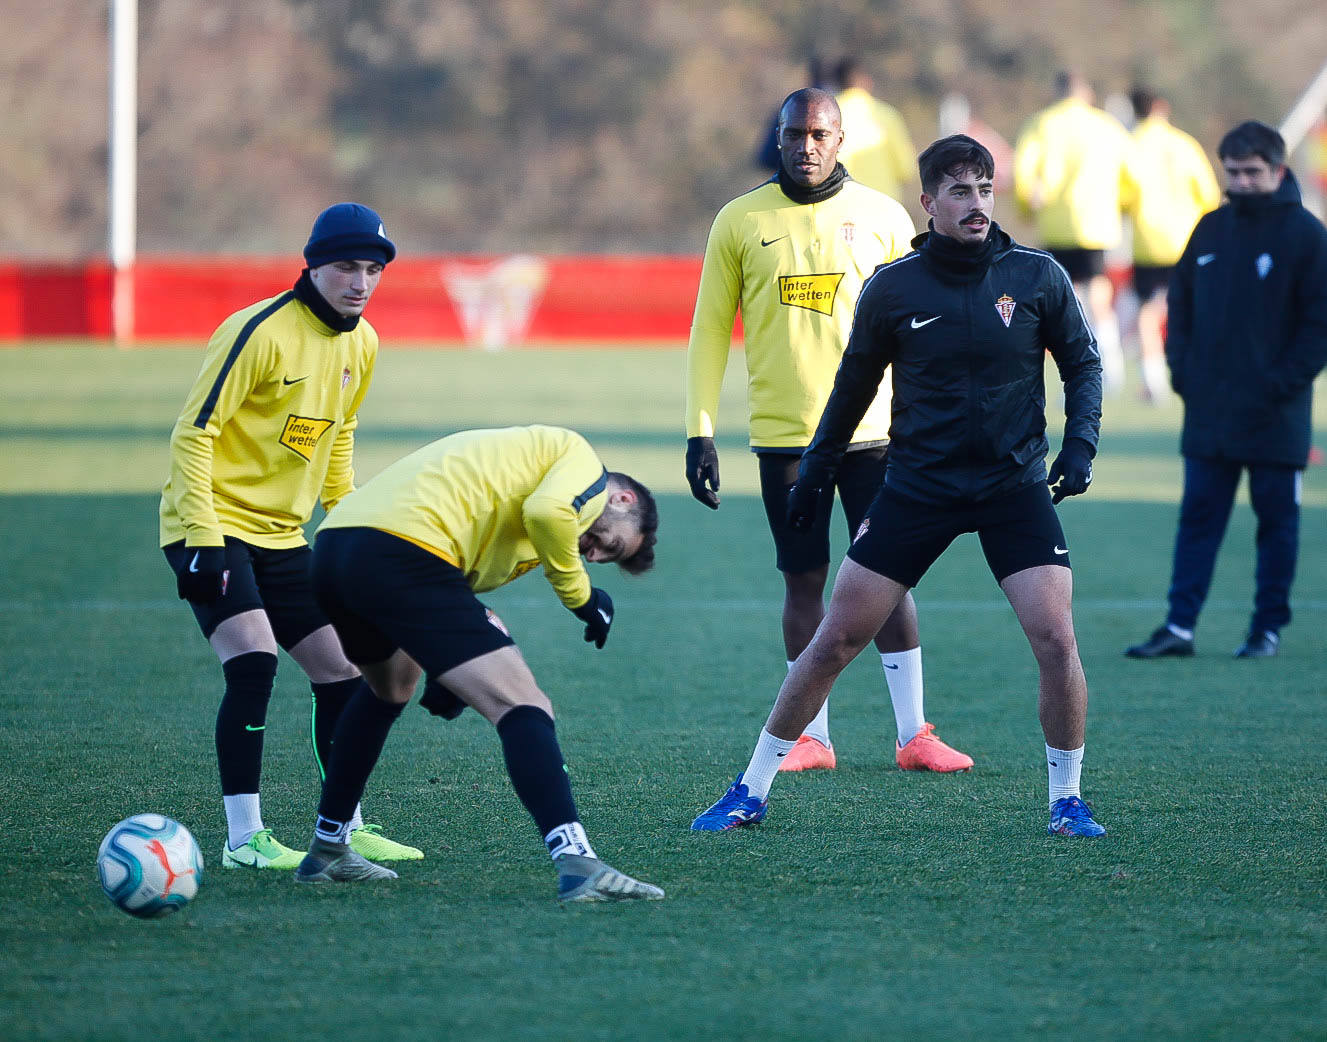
903,674
244,818
569,839
1063,767
1180,631
764,765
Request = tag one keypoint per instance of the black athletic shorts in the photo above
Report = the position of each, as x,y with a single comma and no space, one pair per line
1148,278
860,476
275,581
383,592
902,537
1079,263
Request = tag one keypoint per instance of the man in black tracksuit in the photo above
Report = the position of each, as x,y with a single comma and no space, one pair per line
965,321
1248,334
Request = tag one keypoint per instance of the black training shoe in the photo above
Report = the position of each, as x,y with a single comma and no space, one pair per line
1259,645
1162,642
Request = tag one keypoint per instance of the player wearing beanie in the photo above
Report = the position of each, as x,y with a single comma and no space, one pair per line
266,432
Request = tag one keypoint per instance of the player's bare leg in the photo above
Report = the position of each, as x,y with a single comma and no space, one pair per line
1042,598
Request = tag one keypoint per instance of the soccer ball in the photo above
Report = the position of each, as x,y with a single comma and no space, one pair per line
149,865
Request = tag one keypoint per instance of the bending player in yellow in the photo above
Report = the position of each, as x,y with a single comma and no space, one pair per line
793,254
396,567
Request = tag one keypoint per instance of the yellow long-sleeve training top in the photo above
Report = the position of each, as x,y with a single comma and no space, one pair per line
268,428
495,503
795,269
1073,172
877,148
1176,186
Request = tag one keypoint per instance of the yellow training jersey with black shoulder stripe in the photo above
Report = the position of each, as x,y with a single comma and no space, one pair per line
495,503
795,270
268,428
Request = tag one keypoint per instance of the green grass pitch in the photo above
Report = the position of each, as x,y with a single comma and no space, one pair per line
872,904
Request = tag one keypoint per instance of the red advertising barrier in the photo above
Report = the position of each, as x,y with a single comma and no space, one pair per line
487,300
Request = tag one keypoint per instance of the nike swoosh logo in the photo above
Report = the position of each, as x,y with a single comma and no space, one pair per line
924,322
193,565
1059,551
1206,258
250,727
780,755
288,382
771,242
608,619
889,665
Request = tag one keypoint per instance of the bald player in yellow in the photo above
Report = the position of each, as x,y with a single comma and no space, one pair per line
792,254
266,433
1176,186
396,567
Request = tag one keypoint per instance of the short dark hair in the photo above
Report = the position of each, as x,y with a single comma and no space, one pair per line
808,96
1143,100
952,155
1252,138
645,512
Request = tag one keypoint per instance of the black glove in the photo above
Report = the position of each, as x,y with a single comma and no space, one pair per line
1072,469
597,614
703,470
440,700
803,505
204,578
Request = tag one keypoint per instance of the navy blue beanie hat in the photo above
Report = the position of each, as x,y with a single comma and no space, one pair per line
348,231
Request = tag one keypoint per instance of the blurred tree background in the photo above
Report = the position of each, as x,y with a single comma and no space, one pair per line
549,125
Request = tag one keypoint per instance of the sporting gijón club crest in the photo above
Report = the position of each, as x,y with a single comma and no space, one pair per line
1005,305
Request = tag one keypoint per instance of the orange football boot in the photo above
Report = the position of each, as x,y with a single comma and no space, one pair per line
925,752
809,754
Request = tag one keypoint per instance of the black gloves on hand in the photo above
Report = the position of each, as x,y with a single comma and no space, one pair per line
703,471
204,578
803,504
597,614
441,701
1072,469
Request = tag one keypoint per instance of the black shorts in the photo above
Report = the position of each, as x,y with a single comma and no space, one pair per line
1148,278
384,593
860,476
903,537
274,581
1081,264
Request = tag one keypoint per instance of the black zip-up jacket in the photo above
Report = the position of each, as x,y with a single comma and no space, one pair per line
1248,329
966,331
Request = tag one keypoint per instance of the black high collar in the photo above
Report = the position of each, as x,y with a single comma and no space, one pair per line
307,294
827,189
952,259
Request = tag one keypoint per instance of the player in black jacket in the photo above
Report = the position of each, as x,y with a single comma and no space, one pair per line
1247,337
965,321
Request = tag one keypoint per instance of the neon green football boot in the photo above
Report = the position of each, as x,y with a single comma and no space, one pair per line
262,851
368,841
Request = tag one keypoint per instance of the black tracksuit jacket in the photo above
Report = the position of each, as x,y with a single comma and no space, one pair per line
968,345
1247,331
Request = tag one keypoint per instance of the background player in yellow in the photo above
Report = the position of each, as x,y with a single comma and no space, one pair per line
1073,173
877,149
266,432
793,254
1176,186
397,566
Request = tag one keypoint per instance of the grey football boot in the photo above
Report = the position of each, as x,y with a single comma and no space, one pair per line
589,879
337,863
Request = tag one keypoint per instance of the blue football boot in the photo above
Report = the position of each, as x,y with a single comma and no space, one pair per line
1070,816
735,808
